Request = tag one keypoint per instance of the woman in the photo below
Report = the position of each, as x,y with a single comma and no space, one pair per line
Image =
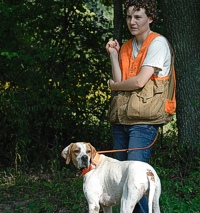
143,62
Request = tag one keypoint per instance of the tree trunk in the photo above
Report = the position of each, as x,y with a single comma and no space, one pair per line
118,20
181,19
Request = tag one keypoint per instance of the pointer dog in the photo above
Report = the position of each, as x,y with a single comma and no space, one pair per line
110,182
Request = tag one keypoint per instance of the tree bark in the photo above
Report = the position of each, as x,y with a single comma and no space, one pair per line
118,20
181,19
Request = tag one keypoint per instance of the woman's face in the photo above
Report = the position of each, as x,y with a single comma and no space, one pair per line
137,21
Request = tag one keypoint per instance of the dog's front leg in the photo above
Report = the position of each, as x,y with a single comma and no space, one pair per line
93,208
92,194
107,209
93,201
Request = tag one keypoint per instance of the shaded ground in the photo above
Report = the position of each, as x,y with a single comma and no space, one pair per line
37,193
61,191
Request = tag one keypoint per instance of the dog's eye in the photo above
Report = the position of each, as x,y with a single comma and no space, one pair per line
88,151
76,151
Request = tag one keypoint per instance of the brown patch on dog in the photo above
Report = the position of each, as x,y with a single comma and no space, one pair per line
67,153
75,151
151,175
96,208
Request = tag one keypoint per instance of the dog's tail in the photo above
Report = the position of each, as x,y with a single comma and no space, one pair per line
152,189
154,193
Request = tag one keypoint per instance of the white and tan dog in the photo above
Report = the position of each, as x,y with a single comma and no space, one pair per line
110,182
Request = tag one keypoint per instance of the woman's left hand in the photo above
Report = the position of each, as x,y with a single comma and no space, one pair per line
111,84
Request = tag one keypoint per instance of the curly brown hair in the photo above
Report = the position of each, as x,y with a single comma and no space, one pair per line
148,5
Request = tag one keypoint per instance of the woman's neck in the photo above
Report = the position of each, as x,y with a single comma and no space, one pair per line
141,38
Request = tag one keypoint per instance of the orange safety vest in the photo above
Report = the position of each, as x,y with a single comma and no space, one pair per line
129,66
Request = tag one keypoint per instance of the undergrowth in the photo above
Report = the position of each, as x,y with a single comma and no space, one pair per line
60,191
35,193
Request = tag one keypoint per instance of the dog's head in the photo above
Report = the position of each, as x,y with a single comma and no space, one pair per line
80,153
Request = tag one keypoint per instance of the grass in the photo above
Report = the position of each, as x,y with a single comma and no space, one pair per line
61,192
55,192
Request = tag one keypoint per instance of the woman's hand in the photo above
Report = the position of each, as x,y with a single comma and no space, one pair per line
112,47
111,83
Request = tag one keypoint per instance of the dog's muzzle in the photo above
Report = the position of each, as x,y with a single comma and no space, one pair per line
84,162
84,158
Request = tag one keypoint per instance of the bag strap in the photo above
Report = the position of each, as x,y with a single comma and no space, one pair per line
172,79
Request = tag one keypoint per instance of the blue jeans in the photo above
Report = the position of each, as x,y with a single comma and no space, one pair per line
134,136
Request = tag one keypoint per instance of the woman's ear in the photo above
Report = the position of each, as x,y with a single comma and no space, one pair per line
150,19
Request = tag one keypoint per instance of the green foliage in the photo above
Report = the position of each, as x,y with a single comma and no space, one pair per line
61,191
178,170
180,192
54,70
107,2
42,193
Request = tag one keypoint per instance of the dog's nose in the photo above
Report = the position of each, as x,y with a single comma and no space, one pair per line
84,158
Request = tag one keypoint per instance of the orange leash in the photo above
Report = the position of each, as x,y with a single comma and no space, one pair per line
127,150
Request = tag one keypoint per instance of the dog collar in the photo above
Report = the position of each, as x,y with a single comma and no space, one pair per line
94,163
86,170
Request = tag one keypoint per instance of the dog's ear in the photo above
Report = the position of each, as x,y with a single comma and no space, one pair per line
93,151
66,153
